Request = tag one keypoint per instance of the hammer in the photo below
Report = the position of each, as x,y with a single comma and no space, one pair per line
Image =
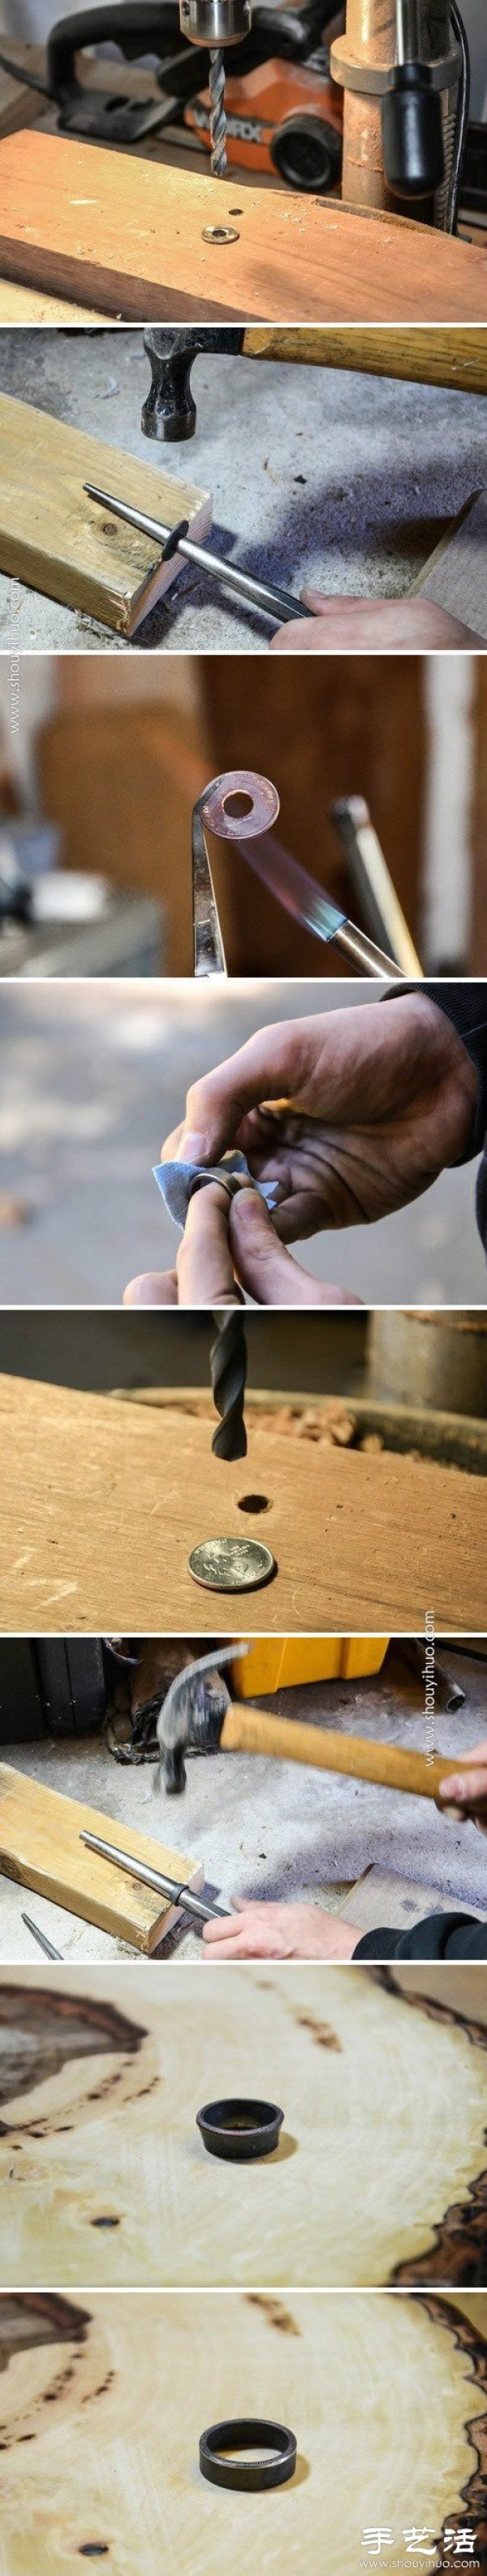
192,1720
457,359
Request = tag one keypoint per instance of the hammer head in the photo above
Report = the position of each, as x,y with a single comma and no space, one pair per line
192,1714
169,412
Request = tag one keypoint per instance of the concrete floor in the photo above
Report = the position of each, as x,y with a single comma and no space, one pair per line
342,481
92,1078
271,1829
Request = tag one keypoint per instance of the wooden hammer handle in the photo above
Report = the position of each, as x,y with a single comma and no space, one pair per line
248,1730
440,357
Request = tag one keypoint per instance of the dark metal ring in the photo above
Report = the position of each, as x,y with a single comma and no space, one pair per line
241,2435
240,2130
229,1181
174,540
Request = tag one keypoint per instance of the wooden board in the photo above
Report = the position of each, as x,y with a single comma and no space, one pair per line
455,576
40,1847
381,1897
386,2397
104,1501
60,542
101,2077
129,235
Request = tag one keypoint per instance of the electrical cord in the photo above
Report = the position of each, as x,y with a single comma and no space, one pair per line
461,119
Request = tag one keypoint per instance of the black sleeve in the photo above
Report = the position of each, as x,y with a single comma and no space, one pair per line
466,1006
439,1936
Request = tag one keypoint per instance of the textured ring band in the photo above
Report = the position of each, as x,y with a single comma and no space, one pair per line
243,2434
240,2130
229,1181
225,1182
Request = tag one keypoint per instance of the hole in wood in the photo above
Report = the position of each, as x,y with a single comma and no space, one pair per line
253,1503
105,2222
238,803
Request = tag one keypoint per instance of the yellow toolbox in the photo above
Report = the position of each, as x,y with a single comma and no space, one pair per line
274,1662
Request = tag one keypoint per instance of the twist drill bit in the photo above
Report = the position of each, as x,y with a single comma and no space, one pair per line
218,122
228,1363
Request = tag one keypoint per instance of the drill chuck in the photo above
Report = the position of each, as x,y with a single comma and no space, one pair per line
214,22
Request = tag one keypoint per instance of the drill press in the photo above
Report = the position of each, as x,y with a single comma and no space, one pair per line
404,69
216,23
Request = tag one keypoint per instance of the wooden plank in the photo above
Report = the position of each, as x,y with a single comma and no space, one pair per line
455,576
104,1501
102,2074
130,235
40,1847
386,2397
60,542
380,1897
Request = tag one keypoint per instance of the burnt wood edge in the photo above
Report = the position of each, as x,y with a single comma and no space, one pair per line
469,2339
112,2032
105,2017
29,2320
460,2236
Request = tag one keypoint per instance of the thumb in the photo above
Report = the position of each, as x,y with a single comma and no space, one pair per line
266,1270
215,1107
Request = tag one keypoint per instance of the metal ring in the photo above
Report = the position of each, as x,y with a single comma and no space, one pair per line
240,2435
264,804
240,2130
229,1181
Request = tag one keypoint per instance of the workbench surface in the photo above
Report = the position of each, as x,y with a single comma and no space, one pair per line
338,481
275,1830
110,2070
103,2404
105,1500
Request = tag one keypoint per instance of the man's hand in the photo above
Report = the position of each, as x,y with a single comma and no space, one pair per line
465,1790
263,1931
350,1114
373,625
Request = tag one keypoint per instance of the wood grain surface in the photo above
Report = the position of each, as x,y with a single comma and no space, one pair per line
105,1500
455,576
129,235
386,2397
55,538
382,2162
40,1847
453,357
380,1896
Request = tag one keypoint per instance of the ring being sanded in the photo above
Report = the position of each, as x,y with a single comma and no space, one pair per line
240,2130
178,1183
241,2435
